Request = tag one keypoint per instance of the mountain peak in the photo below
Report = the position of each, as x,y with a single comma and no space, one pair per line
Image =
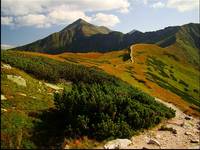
80,26
80,21
76,24
133,31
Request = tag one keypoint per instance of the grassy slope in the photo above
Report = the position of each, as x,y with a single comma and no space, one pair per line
29,121
170,69
24,124
141,72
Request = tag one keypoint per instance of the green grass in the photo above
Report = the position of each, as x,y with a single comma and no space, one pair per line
19,124
49,124
178,79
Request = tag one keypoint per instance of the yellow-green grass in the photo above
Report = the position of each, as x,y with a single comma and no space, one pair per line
23,120
135,73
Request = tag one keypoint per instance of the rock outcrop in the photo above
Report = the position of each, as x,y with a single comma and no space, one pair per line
17,79
117,144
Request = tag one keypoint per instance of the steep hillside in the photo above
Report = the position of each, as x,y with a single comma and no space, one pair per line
149,60
90,103
27,106
81,36
161,72
184,38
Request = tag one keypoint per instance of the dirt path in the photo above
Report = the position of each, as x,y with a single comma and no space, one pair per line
187,136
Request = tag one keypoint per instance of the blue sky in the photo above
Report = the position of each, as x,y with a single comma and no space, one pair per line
24,21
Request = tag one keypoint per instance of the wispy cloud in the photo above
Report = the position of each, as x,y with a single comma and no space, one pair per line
183,5
106,20
158,5
179,5
45,13
6,46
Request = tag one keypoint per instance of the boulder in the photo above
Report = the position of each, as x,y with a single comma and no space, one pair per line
53,86
198,128
17,79
177,122
33,97
188,133
3,109
22,94
3,97
117,144
153,141
66,146
194,140
145,148
174,131
50,93
6,66
188,117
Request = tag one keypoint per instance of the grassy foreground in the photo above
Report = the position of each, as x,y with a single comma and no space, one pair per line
32,121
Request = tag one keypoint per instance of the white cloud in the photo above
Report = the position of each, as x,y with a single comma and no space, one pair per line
180,5
33,20
6,46
105,19
145,2
63,15
6,20
183,5
44,13
158,5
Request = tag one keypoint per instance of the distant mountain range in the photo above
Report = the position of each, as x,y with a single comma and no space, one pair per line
82,36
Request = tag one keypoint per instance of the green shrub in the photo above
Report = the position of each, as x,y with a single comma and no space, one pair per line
105,110
98,105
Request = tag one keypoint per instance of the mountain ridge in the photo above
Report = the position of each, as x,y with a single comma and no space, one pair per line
81,36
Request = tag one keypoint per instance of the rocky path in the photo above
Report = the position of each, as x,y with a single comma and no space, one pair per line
181,132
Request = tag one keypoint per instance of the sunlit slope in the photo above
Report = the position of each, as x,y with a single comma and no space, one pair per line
24,120
163,72
92,92
169,69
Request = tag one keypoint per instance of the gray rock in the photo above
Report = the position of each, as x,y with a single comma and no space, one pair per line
174,131
117,144
66,146
188,133
6,66
177,122
153,141
3,97
22,94
3,109
188,117
53,86
194,140
33,97
17,79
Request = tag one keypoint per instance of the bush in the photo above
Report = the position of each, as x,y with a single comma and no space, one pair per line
99,105
104,110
